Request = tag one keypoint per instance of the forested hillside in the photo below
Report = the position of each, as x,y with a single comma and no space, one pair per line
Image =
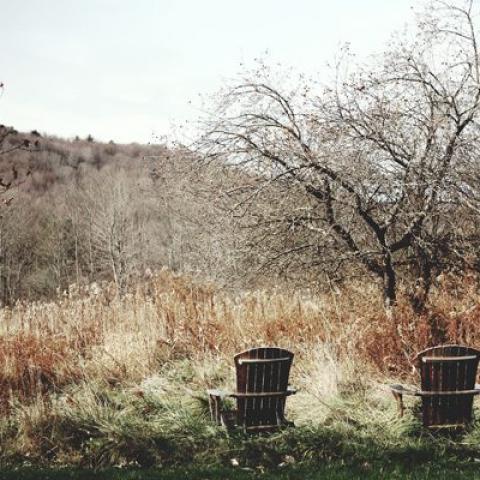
76,213
79,211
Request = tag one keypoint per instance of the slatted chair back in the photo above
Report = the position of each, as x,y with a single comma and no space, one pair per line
449,372
262,383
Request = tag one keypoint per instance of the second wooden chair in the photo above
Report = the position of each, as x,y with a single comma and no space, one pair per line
262,389
447,378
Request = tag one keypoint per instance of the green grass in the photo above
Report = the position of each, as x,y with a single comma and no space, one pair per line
334,471
163,430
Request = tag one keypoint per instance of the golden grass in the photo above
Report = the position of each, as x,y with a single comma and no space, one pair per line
47,346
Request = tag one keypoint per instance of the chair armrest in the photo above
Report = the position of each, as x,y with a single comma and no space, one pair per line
291,391
219,393
218,412
401,390
398,392
447,393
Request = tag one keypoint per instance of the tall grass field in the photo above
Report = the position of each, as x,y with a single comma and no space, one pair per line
94,380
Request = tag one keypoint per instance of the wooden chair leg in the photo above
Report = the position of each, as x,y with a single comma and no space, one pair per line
221,416
400,405
228,418
281,420
215,404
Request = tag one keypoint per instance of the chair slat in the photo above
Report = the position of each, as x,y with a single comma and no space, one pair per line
446,359
263,360
447,394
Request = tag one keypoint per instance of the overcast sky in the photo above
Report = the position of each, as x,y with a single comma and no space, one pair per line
122,69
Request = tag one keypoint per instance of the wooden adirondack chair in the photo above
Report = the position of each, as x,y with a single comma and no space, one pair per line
447,374
262,388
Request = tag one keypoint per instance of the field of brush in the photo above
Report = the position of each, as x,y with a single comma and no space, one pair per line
92,380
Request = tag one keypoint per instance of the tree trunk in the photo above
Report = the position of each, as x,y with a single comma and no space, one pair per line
423,283
389,282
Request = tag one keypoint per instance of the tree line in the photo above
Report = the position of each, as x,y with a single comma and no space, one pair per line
373,176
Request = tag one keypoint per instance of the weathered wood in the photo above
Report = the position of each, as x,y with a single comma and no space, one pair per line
420,393
447,359
444,371
261,389
263,360
259,394
447,378
435,393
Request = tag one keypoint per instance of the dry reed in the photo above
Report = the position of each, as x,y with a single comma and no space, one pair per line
46,346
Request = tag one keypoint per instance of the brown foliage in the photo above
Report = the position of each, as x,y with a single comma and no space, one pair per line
45,347
33,366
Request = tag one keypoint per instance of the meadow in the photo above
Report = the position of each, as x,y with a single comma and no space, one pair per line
335,215
91,380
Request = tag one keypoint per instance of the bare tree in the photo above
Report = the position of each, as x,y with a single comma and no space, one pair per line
10,180
196,236
365,170
111,214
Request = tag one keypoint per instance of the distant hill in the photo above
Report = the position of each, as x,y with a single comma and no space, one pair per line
81,211
52,160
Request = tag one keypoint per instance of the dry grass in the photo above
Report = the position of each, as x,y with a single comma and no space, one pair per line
94,378
46,346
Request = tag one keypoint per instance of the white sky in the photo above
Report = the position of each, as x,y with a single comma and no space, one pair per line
122,69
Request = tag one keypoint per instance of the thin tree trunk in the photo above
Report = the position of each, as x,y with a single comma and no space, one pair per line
423,283
389,282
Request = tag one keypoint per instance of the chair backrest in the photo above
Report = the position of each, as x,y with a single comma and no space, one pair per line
262,382
449,372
